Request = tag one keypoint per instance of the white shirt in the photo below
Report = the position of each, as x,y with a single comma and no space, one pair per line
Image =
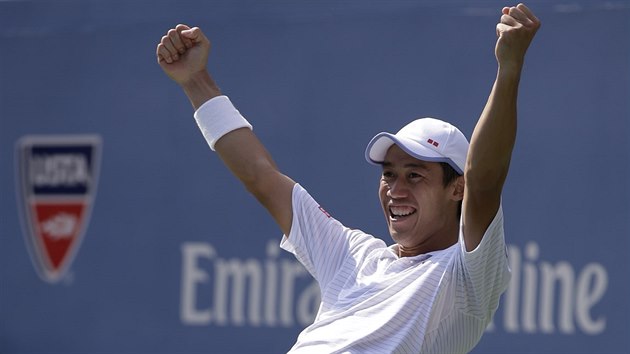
375,302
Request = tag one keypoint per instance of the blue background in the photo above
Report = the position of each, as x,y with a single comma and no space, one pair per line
317,80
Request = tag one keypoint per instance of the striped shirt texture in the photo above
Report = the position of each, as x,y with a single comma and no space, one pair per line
375,302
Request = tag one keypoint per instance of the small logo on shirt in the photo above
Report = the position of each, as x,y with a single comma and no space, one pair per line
324,211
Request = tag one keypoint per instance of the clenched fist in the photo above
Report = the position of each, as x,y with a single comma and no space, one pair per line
183,53
516,30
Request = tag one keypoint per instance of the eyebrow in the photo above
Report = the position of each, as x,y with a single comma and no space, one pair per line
420,165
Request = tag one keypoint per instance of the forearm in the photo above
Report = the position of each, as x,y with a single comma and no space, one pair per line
200,89
494,135
245,156
229,134
251,163
489,156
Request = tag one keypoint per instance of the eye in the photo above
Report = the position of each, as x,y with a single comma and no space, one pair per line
414,175
388,174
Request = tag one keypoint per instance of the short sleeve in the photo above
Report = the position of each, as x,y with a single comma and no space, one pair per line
318,241
485,269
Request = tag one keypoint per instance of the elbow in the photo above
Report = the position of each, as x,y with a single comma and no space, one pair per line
485,180
253,177
258,179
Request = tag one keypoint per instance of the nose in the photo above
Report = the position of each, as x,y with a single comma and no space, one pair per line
397,189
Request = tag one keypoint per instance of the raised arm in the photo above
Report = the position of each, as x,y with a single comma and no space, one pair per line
494,135
183,55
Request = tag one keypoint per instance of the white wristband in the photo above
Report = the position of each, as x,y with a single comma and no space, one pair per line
217,117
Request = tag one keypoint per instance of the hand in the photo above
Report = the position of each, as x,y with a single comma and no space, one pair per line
183,53
516,30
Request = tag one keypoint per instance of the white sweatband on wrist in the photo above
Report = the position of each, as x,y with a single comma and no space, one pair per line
217,117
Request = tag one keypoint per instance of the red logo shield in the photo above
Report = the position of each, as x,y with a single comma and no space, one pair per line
57,179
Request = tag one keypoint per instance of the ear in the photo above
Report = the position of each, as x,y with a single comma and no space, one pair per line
458,188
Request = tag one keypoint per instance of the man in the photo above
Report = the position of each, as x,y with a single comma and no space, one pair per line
436,289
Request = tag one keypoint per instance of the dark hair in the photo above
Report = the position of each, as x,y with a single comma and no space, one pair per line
448,176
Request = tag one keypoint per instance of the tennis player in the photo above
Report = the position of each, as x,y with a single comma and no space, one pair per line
436,288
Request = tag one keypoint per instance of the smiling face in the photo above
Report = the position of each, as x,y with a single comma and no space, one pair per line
421,212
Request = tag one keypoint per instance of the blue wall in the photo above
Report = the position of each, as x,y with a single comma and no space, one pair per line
169,225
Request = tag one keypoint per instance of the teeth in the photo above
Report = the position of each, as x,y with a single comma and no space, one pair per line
401,211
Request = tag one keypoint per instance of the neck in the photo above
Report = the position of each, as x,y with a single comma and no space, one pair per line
436,242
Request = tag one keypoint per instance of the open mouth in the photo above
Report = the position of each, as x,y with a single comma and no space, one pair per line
400,212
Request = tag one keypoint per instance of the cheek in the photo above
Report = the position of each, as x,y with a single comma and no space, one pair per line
435,202
382,191
382,197
428,202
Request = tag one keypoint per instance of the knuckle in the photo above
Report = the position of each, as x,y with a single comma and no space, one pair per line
164,52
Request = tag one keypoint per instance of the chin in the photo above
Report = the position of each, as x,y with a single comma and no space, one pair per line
397,236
